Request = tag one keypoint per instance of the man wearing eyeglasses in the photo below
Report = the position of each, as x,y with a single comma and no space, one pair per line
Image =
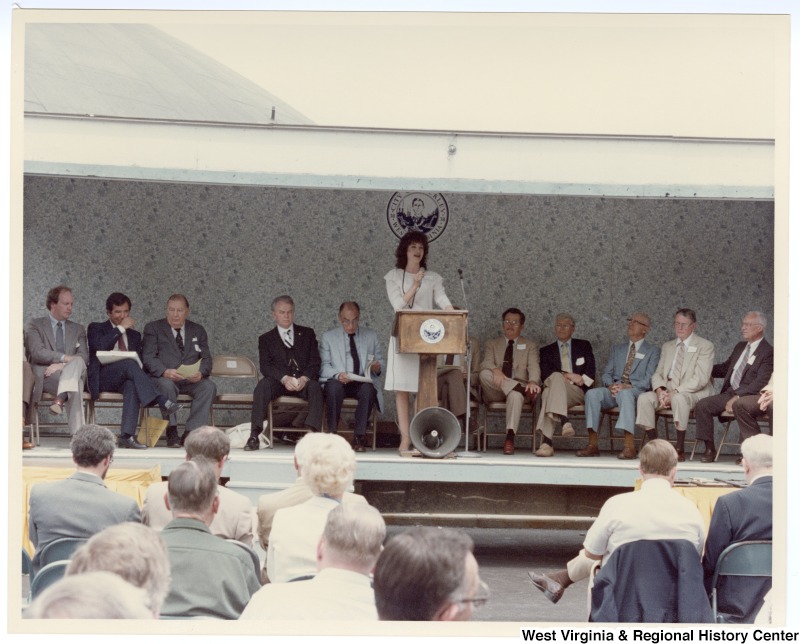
682,378
746,371
568,370
626,376
510,371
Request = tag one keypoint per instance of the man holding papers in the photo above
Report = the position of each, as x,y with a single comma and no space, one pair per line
352,362
115,349
177,355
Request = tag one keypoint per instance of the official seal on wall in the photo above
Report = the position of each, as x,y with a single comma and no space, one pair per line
421,211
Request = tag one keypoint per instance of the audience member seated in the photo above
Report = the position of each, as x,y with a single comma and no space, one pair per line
81,505
342,589
743,515
746,371
295,494
57,349
428,574
568,370
350,349
288,357
234,519
211,577
626,376
176,354
135,552
653,512
510,372
328,470
681,379
117,333
92,595
748,409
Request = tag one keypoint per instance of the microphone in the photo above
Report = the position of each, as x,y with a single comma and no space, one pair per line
460,274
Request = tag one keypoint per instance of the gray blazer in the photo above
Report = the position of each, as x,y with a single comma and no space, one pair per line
79,506
160,351
333,350
40,347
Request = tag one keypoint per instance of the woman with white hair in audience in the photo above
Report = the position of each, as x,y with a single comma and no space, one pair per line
328,469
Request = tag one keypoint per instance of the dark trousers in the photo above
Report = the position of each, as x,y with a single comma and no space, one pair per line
746,410
336,392
127,378
269,389
706,410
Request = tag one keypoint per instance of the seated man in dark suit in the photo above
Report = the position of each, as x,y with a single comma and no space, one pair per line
123,376
81,505
744,515
290,363
210,576
749,409
176,354
568,371
746,371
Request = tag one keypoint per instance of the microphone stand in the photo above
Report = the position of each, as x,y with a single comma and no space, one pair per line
466,453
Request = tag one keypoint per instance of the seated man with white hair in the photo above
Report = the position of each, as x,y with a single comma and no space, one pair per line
328,470
341,590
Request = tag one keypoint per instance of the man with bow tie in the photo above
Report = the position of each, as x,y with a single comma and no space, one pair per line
123,376
289,361
177,355
345,351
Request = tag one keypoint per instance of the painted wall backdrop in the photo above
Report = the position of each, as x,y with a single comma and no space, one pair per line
231,249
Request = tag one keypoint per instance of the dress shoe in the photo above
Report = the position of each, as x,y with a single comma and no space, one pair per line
130,442
358,444
589,450
681,456
567,430
252,444
739,459
550,587
172,407
57,407
508,447
26,444
172,437
285,438
708,456
627,453
545,450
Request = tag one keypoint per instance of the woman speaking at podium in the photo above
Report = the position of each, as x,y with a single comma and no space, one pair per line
410,286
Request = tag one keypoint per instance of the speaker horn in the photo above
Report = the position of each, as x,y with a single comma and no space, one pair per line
435,432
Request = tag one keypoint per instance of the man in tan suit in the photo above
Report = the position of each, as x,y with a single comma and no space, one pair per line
234,518
451,379
510,371
682,377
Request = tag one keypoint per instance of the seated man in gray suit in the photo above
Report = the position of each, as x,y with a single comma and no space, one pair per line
234,520
56,348
210,576
349,350
177,355
627,374
81,505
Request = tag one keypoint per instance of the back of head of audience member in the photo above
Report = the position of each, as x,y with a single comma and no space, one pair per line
305,445
91,445
757,456
328,468
658,459
208,442
427,574
135,552
91,595
192,490
352,539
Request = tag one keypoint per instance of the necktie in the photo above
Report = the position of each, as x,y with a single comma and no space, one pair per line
508,359
60,338
626,374
287,339
737,377
676,368
565,365
179,341
354,353
121,343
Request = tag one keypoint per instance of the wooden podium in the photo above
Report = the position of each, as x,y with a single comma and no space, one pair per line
429,333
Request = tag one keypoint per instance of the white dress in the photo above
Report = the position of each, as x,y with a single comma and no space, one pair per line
402,369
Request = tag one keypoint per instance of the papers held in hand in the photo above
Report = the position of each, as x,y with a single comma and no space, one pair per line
109,357
187,370
367,370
